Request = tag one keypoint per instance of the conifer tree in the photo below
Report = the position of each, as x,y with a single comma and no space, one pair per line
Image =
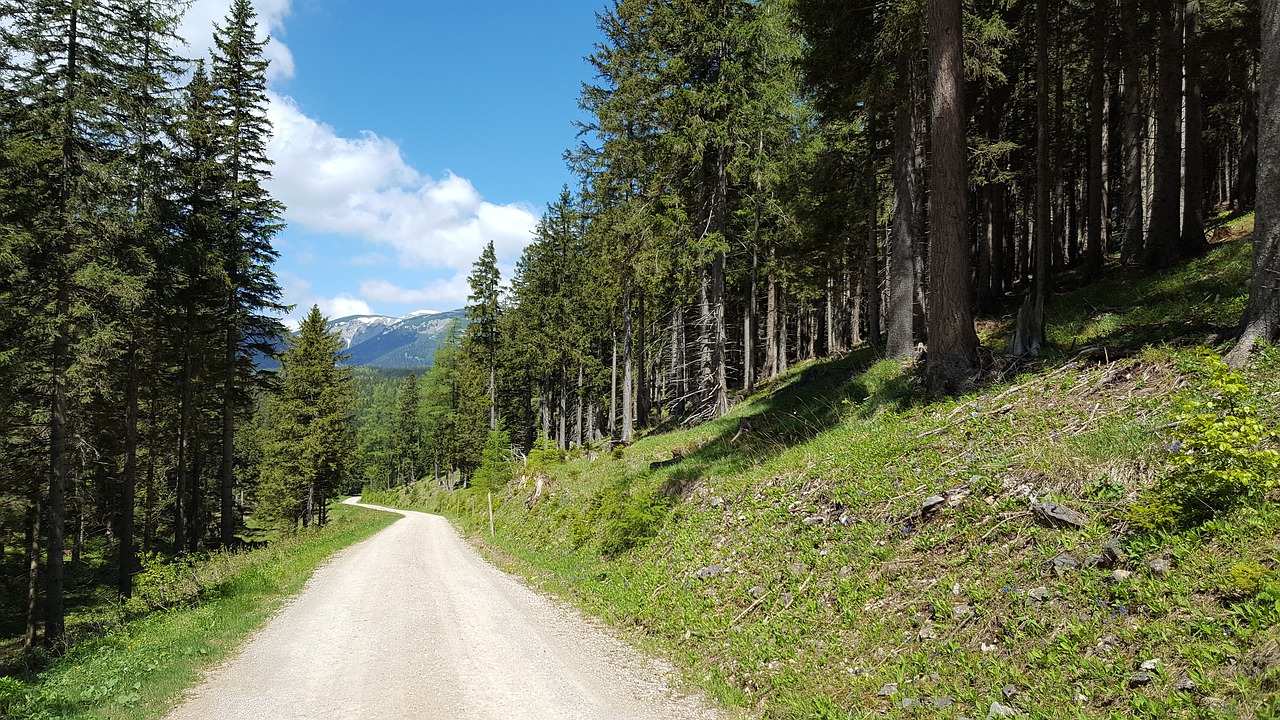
310,445
250,220
483,314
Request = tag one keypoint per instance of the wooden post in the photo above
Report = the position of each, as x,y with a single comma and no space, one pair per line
490,514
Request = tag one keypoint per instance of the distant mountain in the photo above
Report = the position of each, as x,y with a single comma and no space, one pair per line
409,341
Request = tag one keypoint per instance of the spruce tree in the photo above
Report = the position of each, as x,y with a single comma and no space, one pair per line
250,220
310,442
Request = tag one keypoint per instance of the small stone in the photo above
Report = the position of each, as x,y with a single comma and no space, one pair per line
1139,679
932,504
927,633
997,711
1040,594
1081,698
814,520
1094,561
798,569
908,703
1215,704
1054,514
786,598
1185,684
757,591
888,689
1119,576
941,703
709,571
846,571
1112,555
1151,665
935,677
1009,692
717,502
1064,564
992,647
1160,567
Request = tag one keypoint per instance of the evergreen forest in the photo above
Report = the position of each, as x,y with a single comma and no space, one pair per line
758,184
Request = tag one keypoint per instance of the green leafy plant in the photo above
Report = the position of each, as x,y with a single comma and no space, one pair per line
1220,456
164,585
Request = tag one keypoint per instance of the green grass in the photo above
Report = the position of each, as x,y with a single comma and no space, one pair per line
789,573
139,669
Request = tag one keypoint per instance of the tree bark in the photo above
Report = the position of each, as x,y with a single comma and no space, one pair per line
33,572
129,478
1165,229
953,344
1246,190
1135,124
627,426
902,241
1094,205
771,364
1261,319
226,474
1193,242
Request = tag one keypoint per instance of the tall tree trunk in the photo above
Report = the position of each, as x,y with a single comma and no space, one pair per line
1135,124
953,344
783,348
577,423
33,571
613,388
1261,319
226,475
749,322
1193,238
771,364
129,479
1166,227
1246,190
641,354
1094,205
871,261
902,241
627,406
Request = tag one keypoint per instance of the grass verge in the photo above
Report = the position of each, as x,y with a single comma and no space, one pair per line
138,670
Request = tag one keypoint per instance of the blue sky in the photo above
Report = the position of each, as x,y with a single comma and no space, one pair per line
408,134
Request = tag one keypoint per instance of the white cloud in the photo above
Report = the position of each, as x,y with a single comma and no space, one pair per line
298,292
446,292
363,187
197,30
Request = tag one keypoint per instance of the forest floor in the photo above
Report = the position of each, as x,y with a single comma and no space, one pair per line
841,546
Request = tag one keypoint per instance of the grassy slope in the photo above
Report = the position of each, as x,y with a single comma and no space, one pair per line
822,585
139,670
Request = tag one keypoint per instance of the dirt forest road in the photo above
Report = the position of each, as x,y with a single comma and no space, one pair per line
412,623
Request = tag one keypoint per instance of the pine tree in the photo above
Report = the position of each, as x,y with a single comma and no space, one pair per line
483,313
251,219
311,444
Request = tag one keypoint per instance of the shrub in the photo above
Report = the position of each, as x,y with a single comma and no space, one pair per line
628,519
162,585
497,466
1220,455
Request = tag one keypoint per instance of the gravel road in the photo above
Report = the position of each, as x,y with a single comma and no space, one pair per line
412,623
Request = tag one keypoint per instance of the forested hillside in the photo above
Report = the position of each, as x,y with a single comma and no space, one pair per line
764,183
969,191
